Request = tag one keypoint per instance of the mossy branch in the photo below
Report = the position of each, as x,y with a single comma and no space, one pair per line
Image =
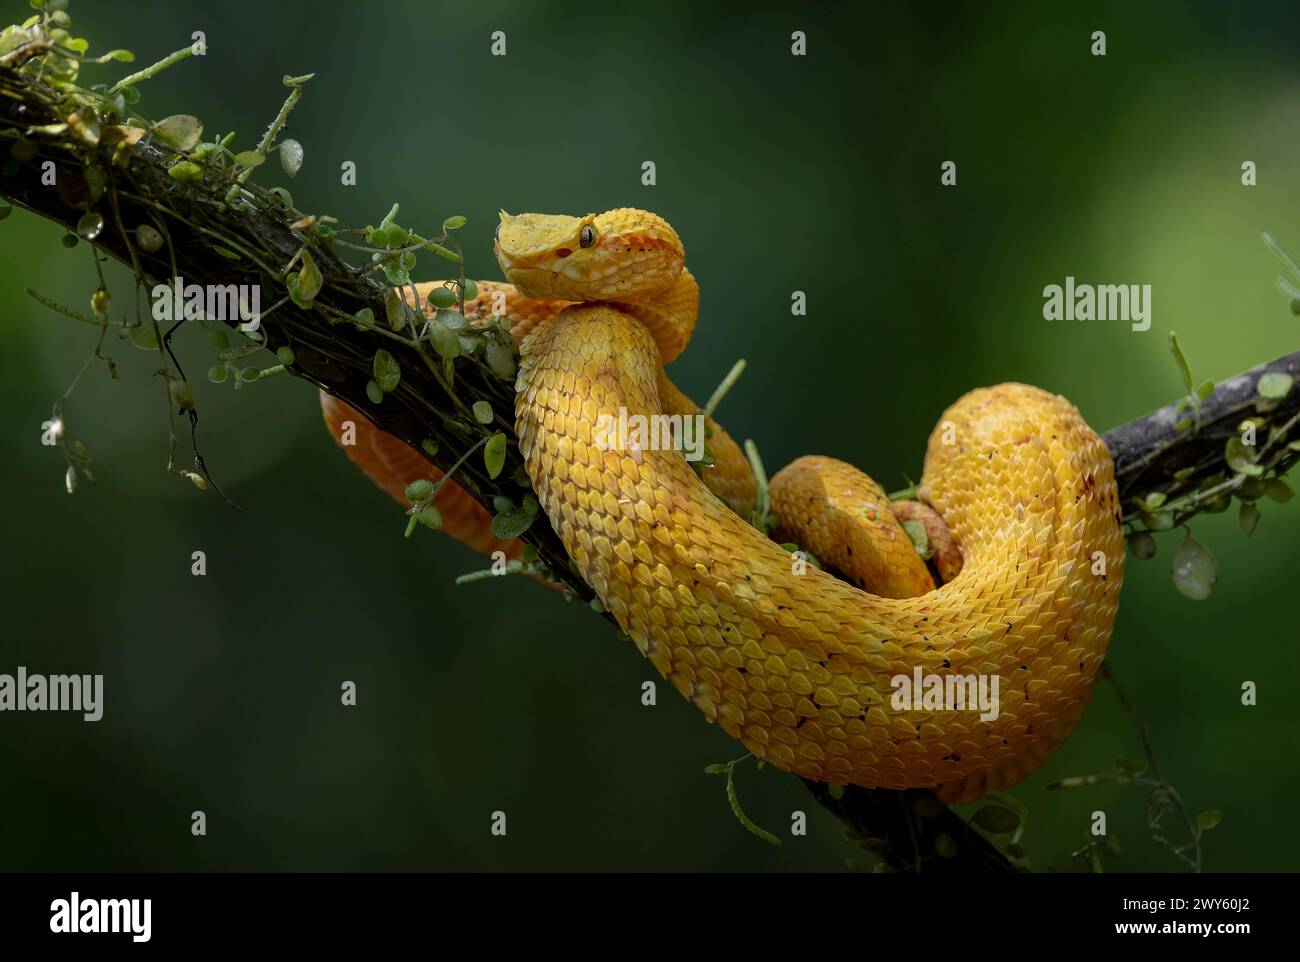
220,229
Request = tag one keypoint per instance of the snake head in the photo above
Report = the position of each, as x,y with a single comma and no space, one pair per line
618,255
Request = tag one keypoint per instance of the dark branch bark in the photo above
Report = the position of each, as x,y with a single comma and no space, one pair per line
1150,451
908,830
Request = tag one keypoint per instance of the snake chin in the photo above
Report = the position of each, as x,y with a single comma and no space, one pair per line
536,282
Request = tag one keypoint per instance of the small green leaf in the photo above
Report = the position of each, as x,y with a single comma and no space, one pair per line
374,392
309,279
181,131
1194,569
182,395
716,769
1205,390
1154,500
1274,384
90,225
1252,490
394,309
430,446
419,490
494,454
1239,455
739,812
1160,521
1183,367
483,412
1280,251
455,222
388,373
470,289
218,373
1248,518
397,271
148,238
282,196
249,158
291,156
1218,504
145,337
186,172
284,354
454,320
1209,819
444,339
920,541
291,285
499,352
1275,489
997,819
511,524
95,183
1142,545
442,297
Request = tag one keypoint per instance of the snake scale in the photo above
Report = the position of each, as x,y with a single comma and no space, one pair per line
797,662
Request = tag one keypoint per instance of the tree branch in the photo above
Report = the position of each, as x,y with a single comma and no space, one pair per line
1153,453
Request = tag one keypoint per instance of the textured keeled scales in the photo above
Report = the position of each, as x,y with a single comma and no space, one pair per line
798,666
789,660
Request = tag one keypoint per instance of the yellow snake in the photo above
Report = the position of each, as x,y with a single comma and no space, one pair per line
797,664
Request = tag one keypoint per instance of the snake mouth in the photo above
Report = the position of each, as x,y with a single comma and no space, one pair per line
535,282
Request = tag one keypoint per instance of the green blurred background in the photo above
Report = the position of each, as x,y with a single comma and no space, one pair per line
819,174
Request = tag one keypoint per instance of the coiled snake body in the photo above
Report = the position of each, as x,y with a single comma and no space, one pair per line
798,665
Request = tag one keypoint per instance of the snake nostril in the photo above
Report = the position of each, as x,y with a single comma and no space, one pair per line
563,252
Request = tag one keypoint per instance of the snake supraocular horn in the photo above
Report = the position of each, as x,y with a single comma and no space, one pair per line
874,678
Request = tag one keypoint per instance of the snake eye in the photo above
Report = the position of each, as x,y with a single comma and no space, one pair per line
587,237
